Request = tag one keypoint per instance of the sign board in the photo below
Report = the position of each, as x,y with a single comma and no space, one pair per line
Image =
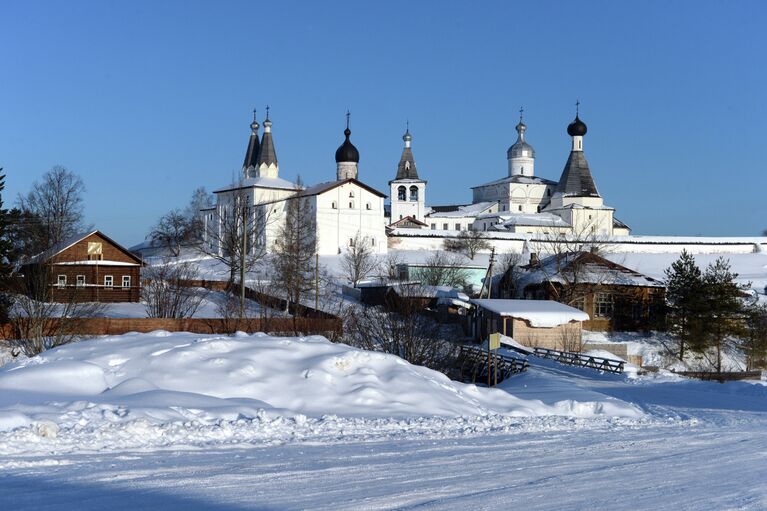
495,341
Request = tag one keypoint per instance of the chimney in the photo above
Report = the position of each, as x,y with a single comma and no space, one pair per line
534,259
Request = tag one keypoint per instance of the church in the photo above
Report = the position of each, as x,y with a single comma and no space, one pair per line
520,202
343,211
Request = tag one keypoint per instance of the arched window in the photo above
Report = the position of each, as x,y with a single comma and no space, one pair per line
351,242
414,193
334,205
401,193
372,242
351,204
367,206
351,194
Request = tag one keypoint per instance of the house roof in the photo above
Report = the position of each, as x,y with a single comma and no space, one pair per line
526,180
469,210
593,269
65,244
539,313
324,187
407,219
259,182
527,219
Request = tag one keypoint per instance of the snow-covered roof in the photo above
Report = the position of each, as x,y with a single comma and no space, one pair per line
591,269
259,182
470,210
96,263
539,313
526,219
526,180
330,185
72,240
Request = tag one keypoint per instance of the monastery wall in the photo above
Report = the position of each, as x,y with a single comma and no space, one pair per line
423,239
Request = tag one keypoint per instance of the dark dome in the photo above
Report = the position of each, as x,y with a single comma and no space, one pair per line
577,128
347,152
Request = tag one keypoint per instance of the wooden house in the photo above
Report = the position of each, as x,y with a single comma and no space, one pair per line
85,268
532,323
615,297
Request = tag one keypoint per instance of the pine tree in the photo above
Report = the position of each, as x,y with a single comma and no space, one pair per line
684,294
723,307
6,256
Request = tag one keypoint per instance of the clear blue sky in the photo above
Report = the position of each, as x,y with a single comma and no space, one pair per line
149,100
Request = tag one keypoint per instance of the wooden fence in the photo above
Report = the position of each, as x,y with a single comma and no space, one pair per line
721,377
118,326
473,367
578,359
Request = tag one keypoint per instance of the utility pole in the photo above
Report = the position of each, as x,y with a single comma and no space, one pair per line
242,261
317,281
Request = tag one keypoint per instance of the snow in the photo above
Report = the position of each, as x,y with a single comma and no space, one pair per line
260,182
539,313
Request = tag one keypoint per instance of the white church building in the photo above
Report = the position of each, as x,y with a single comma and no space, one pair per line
519,202
342,210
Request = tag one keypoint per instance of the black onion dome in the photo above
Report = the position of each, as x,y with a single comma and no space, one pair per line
347,152
577,128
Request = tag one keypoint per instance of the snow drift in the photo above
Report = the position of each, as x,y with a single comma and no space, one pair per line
144,380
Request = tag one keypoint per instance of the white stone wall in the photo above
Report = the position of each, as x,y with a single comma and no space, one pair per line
344,211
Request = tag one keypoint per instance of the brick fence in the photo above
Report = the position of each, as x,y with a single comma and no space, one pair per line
118,326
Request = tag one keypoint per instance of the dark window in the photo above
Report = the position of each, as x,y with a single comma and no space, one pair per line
401,193
414,193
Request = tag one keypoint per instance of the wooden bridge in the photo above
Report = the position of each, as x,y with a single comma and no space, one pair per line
579,359
472,366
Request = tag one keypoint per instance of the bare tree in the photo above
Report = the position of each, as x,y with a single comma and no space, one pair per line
201,199
387,269
39,323
442,269
295,249
238,238
509,267
358,261
56,203
403,331
467,242
171,231
167,293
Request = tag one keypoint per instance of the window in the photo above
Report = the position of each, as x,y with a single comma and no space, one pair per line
81,281
334,205
548,192
126,281
367,206
433,227
372,242
400,217
108,281
414,193
603,305
351,194
444,226
520,208
351,204
351,242
503,208
401,193
61,281
457,227
94,251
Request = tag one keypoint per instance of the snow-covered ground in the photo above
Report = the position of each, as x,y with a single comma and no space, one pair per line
184,421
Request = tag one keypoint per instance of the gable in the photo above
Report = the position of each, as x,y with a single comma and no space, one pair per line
110,251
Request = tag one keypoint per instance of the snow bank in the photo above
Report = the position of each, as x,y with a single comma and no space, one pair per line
148,385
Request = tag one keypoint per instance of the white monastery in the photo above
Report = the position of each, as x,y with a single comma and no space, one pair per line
347,208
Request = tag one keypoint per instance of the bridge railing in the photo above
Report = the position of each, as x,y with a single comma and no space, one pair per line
581,360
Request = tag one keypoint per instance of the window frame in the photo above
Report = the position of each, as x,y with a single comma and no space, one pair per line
111,280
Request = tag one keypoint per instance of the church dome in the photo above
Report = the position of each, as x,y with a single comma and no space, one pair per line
577,128
347,152
520,148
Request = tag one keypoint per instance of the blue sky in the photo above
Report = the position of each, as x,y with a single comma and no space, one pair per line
149,100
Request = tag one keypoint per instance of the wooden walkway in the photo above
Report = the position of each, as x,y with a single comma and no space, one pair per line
473,368
608,365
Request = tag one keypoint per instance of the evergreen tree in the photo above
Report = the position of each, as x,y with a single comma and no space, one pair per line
6,256
723,308
684,294
755,337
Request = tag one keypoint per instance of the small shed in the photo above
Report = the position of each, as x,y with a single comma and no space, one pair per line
533,323
89,267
